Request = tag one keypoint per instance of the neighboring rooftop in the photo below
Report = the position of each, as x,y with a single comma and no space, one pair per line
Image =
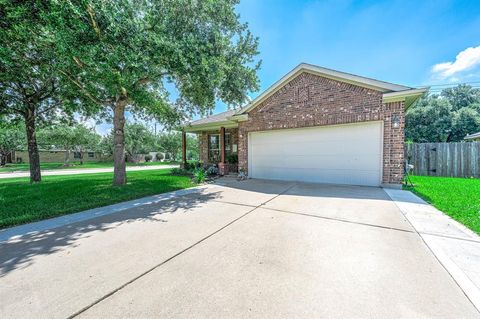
473,136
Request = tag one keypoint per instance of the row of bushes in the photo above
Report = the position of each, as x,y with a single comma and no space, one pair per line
197,170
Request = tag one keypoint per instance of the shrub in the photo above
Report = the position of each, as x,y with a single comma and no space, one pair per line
199,175
159,156
212,170
192,165
232,159
148,158
180,171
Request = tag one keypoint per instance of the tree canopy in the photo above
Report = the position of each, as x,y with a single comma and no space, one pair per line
12,137
29,84
447,117
123,54
74,137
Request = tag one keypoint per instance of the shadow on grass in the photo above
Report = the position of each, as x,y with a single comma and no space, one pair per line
20,252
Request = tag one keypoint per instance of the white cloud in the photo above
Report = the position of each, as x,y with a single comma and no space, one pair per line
464,61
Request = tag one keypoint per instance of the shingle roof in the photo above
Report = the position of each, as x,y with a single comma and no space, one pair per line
472,136
220,117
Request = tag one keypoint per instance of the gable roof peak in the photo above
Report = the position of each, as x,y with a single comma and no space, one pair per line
382,86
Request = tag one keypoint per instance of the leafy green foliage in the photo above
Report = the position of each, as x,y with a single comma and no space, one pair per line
12,137
192,147
182,171
170,143
200,174
138,140
232,158
461,96
30,89
447,117
123,53
74,137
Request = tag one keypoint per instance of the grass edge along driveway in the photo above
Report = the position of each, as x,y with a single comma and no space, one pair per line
459,198
24,167
22,202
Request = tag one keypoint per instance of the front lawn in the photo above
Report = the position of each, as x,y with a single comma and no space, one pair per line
22,202
459,198
74,165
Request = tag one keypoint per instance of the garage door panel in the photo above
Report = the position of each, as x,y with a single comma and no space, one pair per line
317,175
311,149
344,154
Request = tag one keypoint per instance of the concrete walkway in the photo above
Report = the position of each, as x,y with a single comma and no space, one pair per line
455,246
72,171
257,249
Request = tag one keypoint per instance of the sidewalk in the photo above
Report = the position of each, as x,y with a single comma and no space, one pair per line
85,171
456,247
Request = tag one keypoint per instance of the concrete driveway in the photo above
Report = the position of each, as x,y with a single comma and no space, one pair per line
238,249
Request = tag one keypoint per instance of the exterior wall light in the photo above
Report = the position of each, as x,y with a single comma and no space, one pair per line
396,121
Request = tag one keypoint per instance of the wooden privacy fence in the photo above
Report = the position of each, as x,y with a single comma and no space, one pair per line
444,159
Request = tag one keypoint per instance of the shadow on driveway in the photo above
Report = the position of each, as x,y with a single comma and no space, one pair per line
20,252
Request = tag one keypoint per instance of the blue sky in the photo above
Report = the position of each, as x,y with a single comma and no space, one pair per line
406,42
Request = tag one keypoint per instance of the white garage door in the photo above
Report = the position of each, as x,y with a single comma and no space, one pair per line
340,154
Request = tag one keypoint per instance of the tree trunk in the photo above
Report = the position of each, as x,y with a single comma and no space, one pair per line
67,156
3,159
34,157
119,166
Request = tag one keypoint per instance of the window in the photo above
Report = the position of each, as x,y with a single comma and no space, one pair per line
214,148
77,155
214,155
228,143
91,154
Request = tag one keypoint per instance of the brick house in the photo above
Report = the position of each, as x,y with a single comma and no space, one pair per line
313,125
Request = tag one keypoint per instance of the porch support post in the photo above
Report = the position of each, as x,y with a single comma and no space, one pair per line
222,144
222,166
184,149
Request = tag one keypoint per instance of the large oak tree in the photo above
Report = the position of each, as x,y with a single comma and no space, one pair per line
129,54
29,84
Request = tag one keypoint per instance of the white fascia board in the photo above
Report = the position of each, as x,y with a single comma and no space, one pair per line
210,126
407,96
238,118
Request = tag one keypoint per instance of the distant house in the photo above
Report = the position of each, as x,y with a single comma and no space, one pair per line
472,137
54,155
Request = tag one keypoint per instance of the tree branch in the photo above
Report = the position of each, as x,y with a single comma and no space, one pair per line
91,13
82,88
54,105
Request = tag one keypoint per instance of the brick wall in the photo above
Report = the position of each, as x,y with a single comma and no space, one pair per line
311,100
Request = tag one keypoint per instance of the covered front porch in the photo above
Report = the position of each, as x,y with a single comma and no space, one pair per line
218,144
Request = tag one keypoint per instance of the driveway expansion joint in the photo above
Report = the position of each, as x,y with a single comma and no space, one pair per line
340,220
99,300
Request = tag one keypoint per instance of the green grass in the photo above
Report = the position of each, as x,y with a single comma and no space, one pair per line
459,198
22,202
75,165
